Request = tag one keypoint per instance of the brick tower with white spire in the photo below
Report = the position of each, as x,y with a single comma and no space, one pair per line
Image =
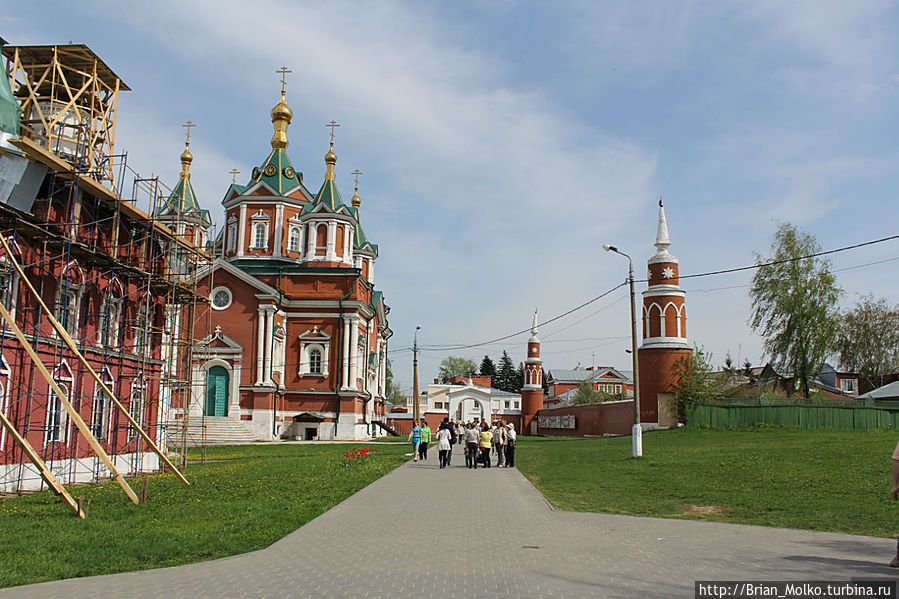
532,390
664,331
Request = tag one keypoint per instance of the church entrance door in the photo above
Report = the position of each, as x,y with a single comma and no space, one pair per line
217,391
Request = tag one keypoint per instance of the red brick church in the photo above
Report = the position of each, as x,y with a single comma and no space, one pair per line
299,330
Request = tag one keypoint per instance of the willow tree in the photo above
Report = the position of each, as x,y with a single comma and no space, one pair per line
869,339
794,304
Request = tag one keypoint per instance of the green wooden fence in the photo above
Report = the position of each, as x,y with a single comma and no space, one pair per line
843,417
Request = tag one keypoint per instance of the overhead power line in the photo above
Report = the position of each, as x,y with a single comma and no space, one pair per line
441,348
784,261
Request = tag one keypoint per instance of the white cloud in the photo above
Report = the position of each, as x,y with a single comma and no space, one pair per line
490,184
472,171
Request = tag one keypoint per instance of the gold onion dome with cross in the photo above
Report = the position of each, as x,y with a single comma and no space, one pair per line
186,159
281,116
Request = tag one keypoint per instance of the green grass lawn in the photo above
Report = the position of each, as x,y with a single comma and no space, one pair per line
825,480
245,498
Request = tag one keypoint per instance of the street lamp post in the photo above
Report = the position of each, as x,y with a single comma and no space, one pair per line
637,433
415,410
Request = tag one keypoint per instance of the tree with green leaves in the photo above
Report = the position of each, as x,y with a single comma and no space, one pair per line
868,341
505,374
453,367
586,394
794,304
488,368
695,382
392,391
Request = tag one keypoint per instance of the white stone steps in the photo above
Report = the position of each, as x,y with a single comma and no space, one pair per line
220,430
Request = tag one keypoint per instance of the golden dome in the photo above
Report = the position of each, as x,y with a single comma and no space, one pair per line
281,115
357,201
331,157
186,157
282,111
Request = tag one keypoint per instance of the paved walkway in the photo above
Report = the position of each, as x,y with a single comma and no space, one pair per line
423,532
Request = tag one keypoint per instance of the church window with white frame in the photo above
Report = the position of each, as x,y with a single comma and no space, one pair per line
315,360
259,238
232,238
101,410
314,347
293,239
9,285
110,317
136,408
221,298
57,417
143,324
68,304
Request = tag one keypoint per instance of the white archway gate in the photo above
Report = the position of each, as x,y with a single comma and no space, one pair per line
469,404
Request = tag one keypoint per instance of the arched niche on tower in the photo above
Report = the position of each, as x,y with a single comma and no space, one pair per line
654,319
321,239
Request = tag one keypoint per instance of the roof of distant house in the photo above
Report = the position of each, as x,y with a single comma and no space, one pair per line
888,391
579,376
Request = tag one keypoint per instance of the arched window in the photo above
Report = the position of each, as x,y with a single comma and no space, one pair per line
9,284
68,299
100,416
136,409
110,315
293,240
259,236
57,417
232,238
321,239
338,240
315,361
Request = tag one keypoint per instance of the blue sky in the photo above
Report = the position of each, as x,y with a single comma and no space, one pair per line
504,142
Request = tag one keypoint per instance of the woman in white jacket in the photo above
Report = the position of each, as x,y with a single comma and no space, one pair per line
443,445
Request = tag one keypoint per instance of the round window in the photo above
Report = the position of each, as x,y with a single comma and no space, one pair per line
221,298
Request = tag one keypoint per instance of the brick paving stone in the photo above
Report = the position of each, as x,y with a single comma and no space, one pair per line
421,531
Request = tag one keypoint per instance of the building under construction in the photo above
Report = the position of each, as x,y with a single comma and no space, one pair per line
97,296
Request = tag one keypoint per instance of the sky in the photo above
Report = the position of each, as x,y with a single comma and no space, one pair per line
503,143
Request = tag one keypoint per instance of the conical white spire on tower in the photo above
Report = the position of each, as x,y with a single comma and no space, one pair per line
662,239
534,328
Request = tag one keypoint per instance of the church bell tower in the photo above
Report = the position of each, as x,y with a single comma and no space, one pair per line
664,332
532,390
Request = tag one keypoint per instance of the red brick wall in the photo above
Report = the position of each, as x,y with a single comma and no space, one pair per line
658,374
597,419
531,403
481,381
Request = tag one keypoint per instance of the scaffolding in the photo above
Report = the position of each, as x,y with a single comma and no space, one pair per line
96,296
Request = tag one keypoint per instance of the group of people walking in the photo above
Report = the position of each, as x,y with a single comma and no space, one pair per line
479,441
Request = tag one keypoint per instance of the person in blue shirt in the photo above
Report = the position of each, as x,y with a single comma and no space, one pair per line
415,437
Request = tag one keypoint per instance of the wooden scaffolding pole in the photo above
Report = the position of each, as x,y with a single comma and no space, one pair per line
64,335
73,413
46,474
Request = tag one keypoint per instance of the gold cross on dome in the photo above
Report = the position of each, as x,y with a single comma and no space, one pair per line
283,72
332,124
356,174
234,172
188,125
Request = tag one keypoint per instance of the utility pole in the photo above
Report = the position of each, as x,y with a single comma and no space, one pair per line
637,433
415,410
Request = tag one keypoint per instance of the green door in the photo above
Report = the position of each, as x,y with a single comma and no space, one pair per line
217,391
